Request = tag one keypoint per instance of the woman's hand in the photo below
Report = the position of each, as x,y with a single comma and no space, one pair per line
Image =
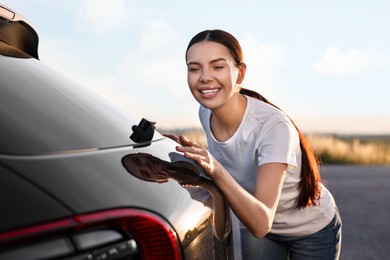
199,154
173,137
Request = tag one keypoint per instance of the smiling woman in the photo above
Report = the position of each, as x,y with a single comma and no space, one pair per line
258,158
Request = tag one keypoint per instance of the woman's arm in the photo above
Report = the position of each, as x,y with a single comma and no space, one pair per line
255,211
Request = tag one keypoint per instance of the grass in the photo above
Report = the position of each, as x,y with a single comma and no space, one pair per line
331,149
365,150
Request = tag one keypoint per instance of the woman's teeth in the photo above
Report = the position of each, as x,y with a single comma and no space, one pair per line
209,91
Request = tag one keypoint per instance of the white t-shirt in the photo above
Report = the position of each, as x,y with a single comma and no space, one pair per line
267,135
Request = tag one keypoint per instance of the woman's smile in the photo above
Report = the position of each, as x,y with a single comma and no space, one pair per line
209,92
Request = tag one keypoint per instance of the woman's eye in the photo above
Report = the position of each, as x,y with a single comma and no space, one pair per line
193,69
218,67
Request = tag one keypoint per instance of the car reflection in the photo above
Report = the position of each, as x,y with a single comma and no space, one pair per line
188,174
150,168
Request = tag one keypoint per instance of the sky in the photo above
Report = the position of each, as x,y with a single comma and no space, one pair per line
325,63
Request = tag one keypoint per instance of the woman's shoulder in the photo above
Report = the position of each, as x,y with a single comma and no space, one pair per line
263,112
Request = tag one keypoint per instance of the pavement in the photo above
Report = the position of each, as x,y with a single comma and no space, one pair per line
362,194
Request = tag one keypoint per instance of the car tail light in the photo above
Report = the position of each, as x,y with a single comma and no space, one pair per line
113,234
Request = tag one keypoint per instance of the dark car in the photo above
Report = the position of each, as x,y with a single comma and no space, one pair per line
81,179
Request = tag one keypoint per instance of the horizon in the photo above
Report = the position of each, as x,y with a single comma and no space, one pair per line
386,136
327,65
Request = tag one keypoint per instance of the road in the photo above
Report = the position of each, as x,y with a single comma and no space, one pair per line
362,194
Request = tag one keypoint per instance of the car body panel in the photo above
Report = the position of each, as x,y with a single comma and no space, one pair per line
23,203
68,143
104,183
62,151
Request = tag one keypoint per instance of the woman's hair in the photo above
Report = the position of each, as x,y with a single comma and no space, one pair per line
310,172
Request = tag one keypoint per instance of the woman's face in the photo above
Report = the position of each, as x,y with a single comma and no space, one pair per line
212,75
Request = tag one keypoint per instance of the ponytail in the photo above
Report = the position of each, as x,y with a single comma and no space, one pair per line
310,172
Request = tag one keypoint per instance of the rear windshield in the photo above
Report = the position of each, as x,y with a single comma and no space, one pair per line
42,111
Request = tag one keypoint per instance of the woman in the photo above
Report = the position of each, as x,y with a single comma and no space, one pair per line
258,158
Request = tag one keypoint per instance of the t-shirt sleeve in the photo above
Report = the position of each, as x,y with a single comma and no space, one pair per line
279,143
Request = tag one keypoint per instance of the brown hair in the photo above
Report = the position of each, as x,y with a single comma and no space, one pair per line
310,172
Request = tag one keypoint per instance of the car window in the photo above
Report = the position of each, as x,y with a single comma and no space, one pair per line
42,111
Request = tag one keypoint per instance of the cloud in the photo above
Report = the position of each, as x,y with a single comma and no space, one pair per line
103,16
149,80
352,62
158,63
264,59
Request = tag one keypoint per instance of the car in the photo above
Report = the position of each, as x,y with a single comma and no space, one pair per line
82,179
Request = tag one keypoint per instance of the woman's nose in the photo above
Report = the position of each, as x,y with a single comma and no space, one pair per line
206,76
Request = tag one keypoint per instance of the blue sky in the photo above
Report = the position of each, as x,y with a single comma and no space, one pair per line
325,63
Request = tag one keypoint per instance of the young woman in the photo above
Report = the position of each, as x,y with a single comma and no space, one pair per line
258,158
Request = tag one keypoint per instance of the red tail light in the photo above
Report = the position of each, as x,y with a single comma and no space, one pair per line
148,235
155,238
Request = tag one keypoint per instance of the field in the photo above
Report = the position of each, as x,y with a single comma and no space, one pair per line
352,149
331,149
